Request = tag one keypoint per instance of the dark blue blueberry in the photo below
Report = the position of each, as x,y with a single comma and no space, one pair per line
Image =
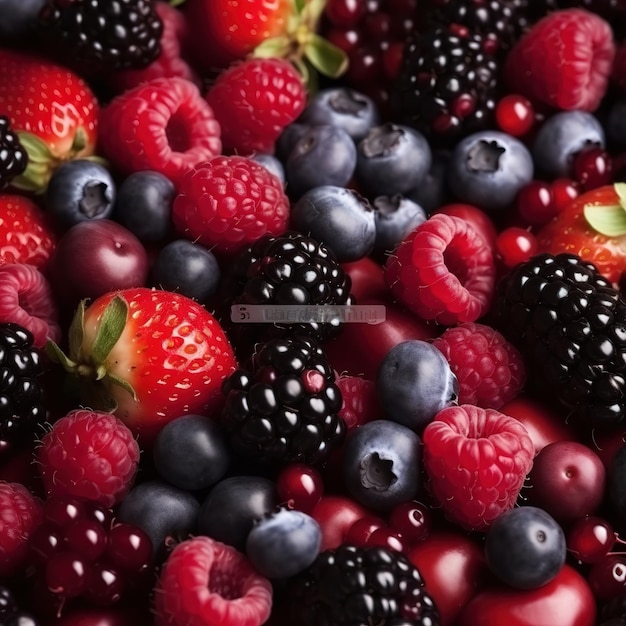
233,506
392,159
191,453
144,205
525,547
161,510
381,464
271,163
414,383
18,19
287,140
396,217
344,107
488,169
339,218
80,190
187,268
433,192
561,137
284,543
323,155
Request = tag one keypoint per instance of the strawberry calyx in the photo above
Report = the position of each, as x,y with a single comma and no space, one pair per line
91,367
608,219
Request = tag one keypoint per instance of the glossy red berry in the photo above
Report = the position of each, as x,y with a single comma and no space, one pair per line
387,538
607,577
534,203
515,245
593,168
515,115
564,191
66,574
300,487
129,548
412,519
590,539
361,531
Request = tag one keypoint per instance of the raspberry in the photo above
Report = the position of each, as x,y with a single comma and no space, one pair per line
254,101
443,271
163,125
26,299
89,454
563,61
205,583
476,460
490,370
229,202
359,401
20,515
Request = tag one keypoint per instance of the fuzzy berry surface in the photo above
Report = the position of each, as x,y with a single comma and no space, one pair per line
89,454
476,460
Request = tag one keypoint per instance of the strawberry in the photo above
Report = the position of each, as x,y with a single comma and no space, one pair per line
52,110
148,356
592,226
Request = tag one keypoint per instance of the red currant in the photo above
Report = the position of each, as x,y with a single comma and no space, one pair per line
412,520
590,539
65,574
607,577
87,538
593,168
534,203
360,532
515,245
130,548
62,511
104,586
387,538
345,12
300,487
515,115
564,191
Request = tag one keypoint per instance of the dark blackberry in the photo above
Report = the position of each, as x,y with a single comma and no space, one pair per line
570,324
104,35
21,394
353,586
613,613
448,84
283,407
10,613
13,156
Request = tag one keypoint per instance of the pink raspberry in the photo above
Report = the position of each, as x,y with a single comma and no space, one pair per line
490,370
229,202
205,583
89,454
20,515
359,401
443,270
476,460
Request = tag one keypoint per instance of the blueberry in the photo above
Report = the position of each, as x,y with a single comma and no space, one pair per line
271,163
19,19
190,452
525,547
287,140
161,510
344,107
144,205
284,543
561,137
381,464
395,217
187,268
322,155
415,382
80,190
432,193
488,169
339,218
392,159
233,505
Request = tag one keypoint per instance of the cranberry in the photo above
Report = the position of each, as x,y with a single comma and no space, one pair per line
607,577
87,538
335,515
66,574
362,530
61,511
129,548
515,245
515,115
412,519
345,13
593,168
590,539
104,585
535,203
300,487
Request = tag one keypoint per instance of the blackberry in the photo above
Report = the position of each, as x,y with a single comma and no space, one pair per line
10,613
105,35
21,394
283,407
361,585
290,269
447,87
613,613
13,156
570,324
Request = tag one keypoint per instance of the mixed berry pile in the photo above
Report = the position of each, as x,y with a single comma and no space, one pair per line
313,313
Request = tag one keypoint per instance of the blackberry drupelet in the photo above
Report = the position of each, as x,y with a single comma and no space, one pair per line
11,614
570,324
283,407
105,35
361,585
447,87
13,156
21,395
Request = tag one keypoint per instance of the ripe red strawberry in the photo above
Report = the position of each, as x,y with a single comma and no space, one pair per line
563,61
592,226
476,460
52,109
25,233
254,100
149,356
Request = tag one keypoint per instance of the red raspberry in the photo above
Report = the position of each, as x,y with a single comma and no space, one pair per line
205,583
20,515
476,460
490,370
254,100
563,61
164,125
359,401
88,454
229,202
443,271
26,298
